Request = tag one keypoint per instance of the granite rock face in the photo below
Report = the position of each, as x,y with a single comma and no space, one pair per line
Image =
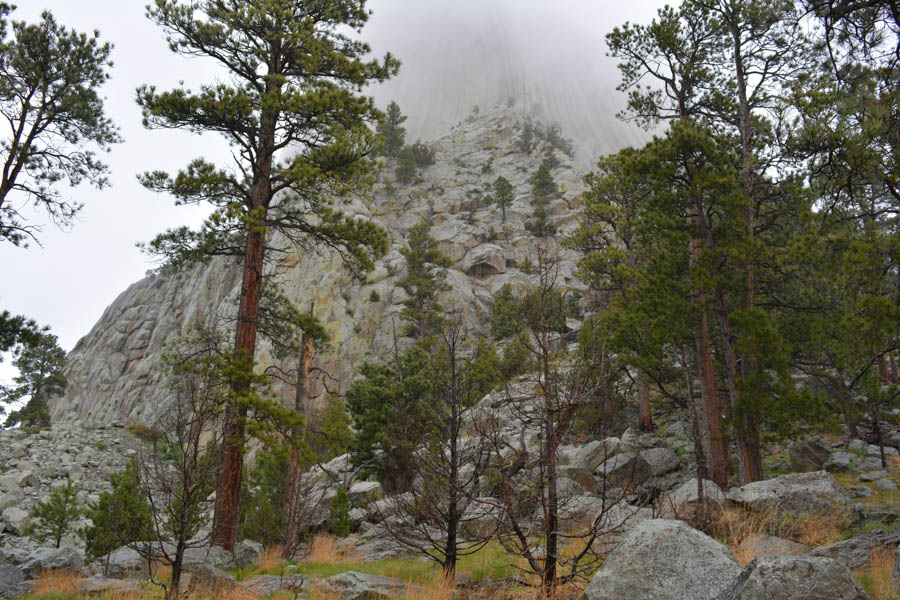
114,371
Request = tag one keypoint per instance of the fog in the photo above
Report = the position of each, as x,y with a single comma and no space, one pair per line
455,54
550,55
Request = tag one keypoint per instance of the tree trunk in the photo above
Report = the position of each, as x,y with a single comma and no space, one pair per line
227,510
646,418
292,500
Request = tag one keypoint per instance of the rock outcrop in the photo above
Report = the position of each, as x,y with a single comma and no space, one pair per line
794,577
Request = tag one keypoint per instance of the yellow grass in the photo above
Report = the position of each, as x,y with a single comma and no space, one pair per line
325,549
57,582
270,558
734,525
440,588
881,564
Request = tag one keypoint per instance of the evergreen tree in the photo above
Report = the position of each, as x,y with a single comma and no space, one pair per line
56,514
293,82
424,280
120,516
339,514
506,317
49,79
543,190
423,154
40,362
406,165
391,130
503,194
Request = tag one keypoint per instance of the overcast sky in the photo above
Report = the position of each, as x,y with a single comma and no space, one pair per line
455,53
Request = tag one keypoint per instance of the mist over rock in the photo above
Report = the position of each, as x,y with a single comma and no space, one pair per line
115,371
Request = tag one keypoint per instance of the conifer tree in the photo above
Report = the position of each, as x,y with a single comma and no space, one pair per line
543,189
40,362
49,82
298,129
390,128
503,194
424,280
56,514
406,165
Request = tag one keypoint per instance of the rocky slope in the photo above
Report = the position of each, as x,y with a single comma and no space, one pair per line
114,371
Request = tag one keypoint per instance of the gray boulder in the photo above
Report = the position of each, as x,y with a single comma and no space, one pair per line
664,559
578,512
53,558
209,577
363,493
11,499
758,545
269,584
685,499
885,485
98,584
11,579
15,520
815,493
661,460
121,563
352,585
627,470
794,578
842,462
854,553
807,456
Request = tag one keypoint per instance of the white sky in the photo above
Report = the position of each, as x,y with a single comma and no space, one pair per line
69,281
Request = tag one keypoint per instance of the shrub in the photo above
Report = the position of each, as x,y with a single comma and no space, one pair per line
339,514
120,516
406,165
55,515
422,154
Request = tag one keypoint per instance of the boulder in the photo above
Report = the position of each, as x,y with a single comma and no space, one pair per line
121,563
873,475
661,460
352,585
663,559
842,462
794,578
98,584
209,577
885,485
815,493
53,558
485,260
11,579
627,470
757,545
685,498
15,520
263,585
578,512
10,499
363,493
854,553
480,518
580,462
807,455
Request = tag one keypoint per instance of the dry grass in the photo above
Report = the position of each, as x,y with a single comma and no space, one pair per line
56,582
823,528
326,549
734,525
271,557
223,592
881,565
440,588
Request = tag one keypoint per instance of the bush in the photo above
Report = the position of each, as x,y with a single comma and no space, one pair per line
422,154
339,514
56,515
120,516
406,165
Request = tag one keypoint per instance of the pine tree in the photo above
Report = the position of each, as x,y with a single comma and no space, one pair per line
294,78
40,362
503,194
56,514
543,190
424,280
406,165
390,128
49,79
120,516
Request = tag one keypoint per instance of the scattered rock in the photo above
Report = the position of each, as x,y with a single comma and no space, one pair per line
854,553
885,484
794,578
121,563
98,584
15,520
664,559
363,493
11,499
807,455
53,558
685,499
815,493
352,585
626,470
11,579
207,576
758,545
661,460
873,475
842,462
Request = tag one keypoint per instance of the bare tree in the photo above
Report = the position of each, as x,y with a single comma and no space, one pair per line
527,493
179,468
431,517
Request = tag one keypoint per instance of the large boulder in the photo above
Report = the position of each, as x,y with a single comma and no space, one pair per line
481,518
661,460
11,579
663,559
854,553
53,558
100,585
15,520
121,563
263,585
757,545
684,500
352,585
485,260
627,470
580,462
807,455
578,512
843,462
363,493
815,493
794,578
208,577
